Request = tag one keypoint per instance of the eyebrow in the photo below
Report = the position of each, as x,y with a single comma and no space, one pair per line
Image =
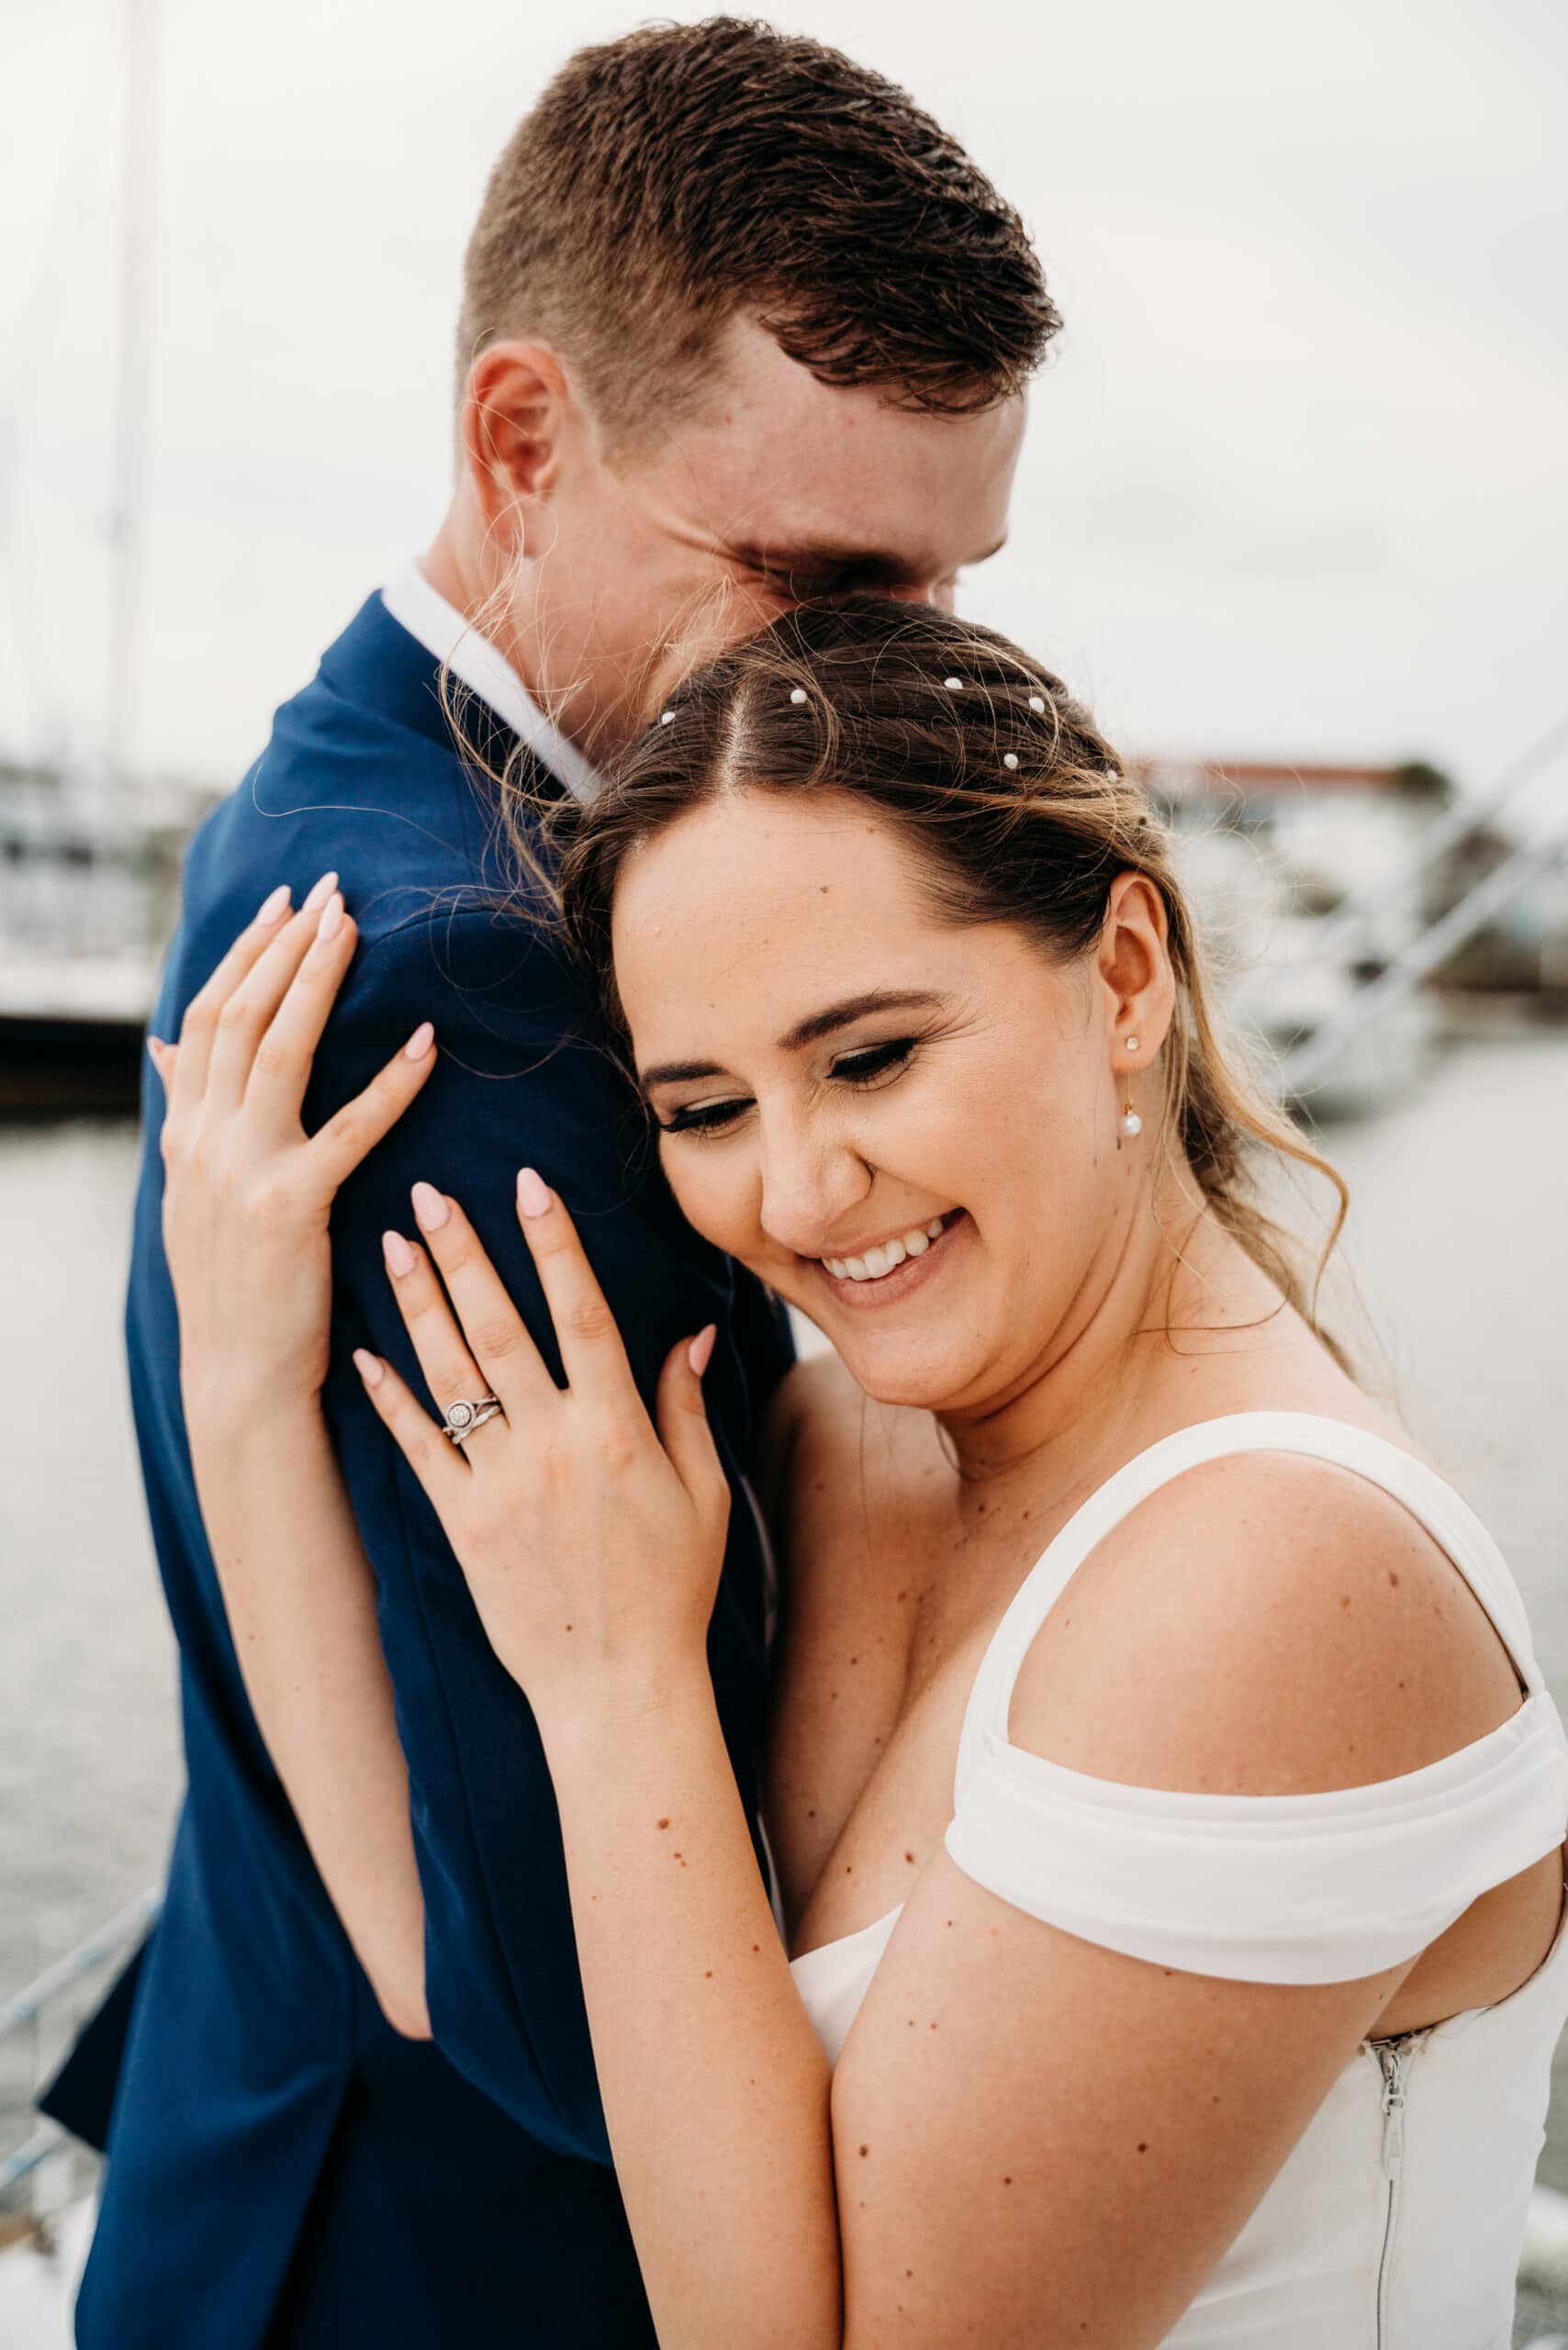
820,555
809,1031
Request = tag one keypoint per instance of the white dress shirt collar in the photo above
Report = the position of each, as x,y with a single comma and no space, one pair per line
452,640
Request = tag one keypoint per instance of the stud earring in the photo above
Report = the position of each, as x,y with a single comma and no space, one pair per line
1132,1044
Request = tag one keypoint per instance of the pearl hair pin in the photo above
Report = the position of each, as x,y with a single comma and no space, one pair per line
954,684
798,695
1010,759
1038,705
667,718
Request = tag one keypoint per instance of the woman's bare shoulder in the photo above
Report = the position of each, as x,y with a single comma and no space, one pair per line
1264,1624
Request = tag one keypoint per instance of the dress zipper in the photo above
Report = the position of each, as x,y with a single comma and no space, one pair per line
1395,2058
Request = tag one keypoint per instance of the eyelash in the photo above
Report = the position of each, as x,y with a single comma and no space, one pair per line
863,1069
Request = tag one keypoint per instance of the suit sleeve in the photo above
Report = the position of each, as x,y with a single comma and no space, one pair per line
523,1077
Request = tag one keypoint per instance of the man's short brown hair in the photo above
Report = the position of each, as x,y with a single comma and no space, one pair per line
669,180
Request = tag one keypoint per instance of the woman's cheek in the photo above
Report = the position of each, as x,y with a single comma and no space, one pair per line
711,1200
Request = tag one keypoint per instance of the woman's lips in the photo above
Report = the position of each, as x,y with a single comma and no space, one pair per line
891,1288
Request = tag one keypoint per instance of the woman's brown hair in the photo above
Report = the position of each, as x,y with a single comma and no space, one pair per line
1015,806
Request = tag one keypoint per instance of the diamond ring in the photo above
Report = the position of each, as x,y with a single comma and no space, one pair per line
463,1417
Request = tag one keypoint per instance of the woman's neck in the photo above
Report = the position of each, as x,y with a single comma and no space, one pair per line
1174,1270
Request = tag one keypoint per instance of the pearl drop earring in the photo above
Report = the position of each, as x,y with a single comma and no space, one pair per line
1129,1123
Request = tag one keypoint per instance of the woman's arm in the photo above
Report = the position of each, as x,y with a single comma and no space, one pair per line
302,1606
246,1202
1030,2141
592,1547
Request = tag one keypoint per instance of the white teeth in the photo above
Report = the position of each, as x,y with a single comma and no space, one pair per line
889,1254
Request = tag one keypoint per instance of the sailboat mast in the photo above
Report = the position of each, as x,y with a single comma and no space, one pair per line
133,389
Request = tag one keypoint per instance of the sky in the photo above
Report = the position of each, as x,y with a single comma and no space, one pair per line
1296,482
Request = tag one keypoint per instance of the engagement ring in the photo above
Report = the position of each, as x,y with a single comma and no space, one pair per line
463,1417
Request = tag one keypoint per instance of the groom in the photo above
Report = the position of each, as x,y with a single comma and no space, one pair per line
740,326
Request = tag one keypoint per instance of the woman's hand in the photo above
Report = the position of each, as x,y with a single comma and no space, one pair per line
592,1543
247,1193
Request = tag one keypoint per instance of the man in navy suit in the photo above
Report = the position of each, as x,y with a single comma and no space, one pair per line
740,326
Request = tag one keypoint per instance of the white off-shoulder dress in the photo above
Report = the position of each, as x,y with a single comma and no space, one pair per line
1396,2222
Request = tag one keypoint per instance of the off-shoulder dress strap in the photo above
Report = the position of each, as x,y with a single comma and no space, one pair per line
1315,1887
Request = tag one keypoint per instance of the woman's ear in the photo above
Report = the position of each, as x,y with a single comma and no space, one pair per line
1134,964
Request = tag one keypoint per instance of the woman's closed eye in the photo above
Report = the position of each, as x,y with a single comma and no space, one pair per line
874,1061
873,1064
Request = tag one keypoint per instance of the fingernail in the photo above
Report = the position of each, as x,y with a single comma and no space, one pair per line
275,908
699,1353
398,1255
368,1367
431,1209
532,1198
320,893
421,1041
332,919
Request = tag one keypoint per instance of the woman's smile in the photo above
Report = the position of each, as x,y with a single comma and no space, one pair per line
888,1273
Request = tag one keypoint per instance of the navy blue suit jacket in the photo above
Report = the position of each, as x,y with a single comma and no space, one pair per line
284,2169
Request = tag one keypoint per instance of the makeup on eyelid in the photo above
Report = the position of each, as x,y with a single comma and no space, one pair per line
861,1069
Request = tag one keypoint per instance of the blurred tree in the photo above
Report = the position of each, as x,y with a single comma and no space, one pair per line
1418,780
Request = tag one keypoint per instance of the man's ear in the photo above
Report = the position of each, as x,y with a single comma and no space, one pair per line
514,421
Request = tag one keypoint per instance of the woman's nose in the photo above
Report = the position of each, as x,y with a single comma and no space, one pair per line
808,1187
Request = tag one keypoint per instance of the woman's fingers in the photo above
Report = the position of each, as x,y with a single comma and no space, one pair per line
684,1428
492,1327
431,1455
585,1329
353,1133
199,1026
244,1020
284,1004
451,1373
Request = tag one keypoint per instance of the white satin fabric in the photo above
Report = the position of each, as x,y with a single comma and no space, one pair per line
1398,2220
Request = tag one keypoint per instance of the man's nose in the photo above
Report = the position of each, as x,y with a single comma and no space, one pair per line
808,1183
937,592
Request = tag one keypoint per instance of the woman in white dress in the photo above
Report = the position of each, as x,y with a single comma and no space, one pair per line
1167,1807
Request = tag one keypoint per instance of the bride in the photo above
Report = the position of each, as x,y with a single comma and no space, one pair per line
1165,1803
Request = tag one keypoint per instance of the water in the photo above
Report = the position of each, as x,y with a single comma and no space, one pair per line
1459,1244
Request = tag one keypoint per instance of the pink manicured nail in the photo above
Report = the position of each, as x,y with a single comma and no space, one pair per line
419,1042
320,893
533,1197
431,1209
699,1353
332,919
398,1255
273,908
368,1367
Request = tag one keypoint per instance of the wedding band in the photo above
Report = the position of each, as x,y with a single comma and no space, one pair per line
463,1417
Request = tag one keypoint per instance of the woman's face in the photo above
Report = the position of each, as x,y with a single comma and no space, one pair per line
906,1128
